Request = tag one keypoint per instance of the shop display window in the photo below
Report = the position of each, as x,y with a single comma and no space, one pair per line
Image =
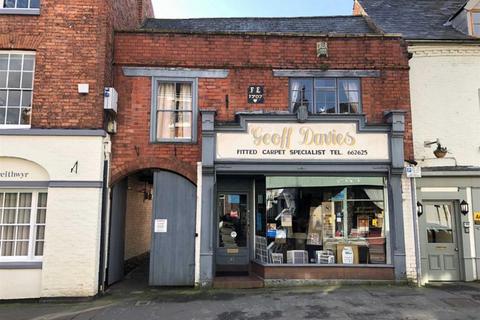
324,220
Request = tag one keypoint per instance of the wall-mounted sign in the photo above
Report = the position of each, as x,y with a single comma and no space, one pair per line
476,217
160,225
413,172
16,169
302,141
256,94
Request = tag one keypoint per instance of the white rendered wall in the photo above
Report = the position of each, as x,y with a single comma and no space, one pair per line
20,284
445,84
72,232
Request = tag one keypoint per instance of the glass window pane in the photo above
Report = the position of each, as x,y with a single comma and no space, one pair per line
23,233
476,29
14,79
8,233
325,83
233,211
25,200
41,215
27,80
22,248
476,17
297,86
22,4
3,98
325,101
16,62
34,4
9,216
25,115
42,199
3,79
439,223
3,61
3,112
11,199
28,61
14,98
23,216
1,200
7,249
9,4
166,96
26,98
39,248
172,125
13,115
40,233
183,96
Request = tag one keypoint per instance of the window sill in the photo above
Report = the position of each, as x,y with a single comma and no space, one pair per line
20,265
15,126
27,12
173,142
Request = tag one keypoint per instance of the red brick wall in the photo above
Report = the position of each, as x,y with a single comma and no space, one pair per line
250,60
73,41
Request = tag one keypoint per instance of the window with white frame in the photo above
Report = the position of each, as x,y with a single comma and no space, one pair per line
476,23
16,88
326,95
21,4
22,225
174,110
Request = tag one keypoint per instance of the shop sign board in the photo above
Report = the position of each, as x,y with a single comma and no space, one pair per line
16,169
302,141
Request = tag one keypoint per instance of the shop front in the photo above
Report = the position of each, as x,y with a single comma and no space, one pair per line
311,200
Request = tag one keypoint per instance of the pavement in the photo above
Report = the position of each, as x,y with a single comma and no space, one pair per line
132,299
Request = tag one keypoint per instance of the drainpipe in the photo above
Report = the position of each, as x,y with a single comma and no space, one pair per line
101,272
418,266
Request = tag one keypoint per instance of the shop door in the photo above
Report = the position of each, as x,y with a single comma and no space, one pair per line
233,232
441,245
172,256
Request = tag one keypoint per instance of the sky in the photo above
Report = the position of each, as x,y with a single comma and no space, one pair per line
250,8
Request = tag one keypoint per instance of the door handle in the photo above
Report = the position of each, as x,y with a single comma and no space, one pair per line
456,249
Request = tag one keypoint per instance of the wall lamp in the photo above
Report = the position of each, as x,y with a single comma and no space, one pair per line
464,207
439,152
419,208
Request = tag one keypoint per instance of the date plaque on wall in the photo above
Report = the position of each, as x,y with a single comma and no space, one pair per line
256,94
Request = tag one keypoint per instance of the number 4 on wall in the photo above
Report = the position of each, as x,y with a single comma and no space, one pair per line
74,169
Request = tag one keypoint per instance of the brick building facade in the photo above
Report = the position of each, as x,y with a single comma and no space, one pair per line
52,141
187,117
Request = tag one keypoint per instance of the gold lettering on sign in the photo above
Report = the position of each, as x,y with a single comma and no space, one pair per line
308,137
272,139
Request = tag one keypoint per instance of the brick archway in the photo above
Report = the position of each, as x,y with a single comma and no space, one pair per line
170,164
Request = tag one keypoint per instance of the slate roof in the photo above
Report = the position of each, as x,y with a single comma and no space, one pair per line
298,25
416,19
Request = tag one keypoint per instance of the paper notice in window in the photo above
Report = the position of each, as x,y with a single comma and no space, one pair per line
160,225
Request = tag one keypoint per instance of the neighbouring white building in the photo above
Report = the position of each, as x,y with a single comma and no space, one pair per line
443,39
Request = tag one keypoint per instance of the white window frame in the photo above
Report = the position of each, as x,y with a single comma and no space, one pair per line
26,11
337,94
156,81
20,126
31,257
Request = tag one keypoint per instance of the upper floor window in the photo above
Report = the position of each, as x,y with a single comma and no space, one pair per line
174,110
326,95
22,224
16,88
21,4
476,23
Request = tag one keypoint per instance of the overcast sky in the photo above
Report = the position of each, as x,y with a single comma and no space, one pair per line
250,8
